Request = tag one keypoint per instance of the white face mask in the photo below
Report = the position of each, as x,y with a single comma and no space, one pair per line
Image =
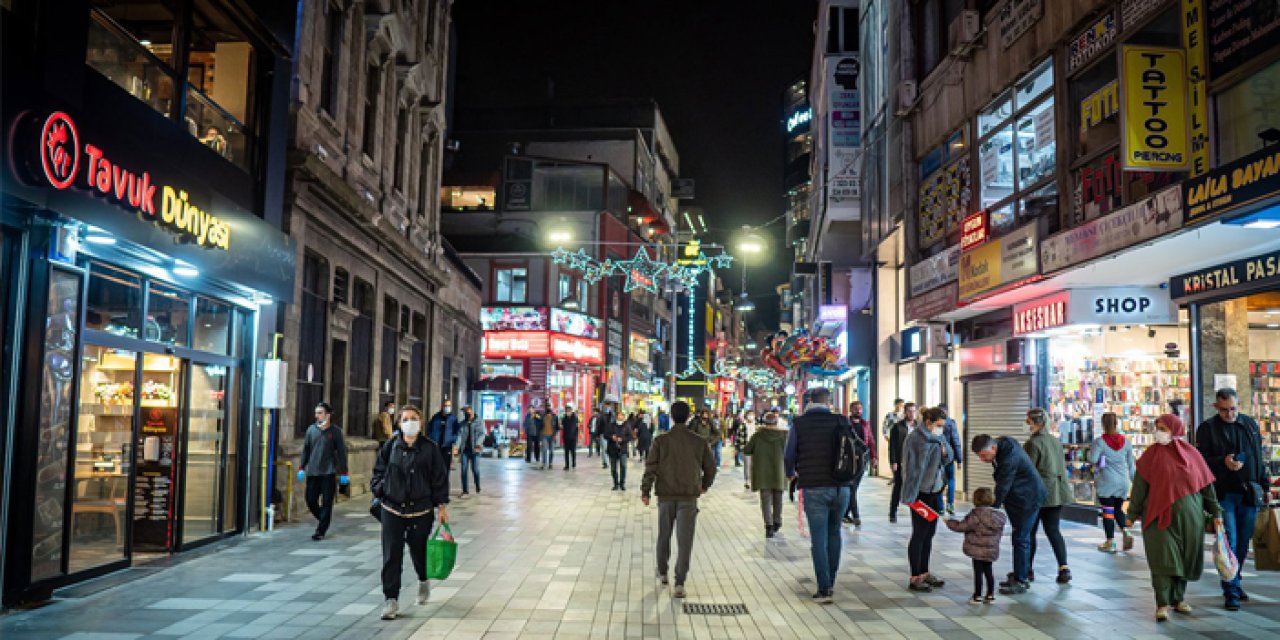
1163,437
410,428
936,432
448,410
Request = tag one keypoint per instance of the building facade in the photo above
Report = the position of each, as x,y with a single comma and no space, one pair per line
143,263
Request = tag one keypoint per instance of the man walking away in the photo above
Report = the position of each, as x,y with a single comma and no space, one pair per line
767,472
861,429
679,468
470,437
618,434
811,459
951,433
324,459
443,429
664,421
897,436
550,428
1231,445
569,431
1020,491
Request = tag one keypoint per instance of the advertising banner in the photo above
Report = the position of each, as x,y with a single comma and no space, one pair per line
575,324
515,344
935,272
577,349
1153,99
1248,180
513,318
1018,256
932,303
980,270
1016,18
1091,42
1239,31
1193,35
844,157
1227,279
1149,218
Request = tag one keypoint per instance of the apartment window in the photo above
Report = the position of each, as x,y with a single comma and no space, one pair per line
565,289
1017,151
511,284
584,290
372,85
425,182
341,285
329,61
402,132
312,338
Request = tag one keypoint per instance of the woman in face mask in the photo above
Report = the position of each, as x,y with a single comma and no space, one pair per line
1173,495
924,453
1046,454
412,481
1114,466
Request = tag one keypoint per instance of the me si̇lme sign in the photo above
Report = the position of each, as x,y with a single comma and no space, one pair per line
1153,99
66,161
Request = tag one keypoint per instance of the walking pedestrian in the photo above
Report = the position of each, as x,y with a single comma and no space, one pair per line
619,436
893,417
533,436
324,463
548,430
1173,493
1020,491
1232,448
468,443
411,481
744,437
679,469
593,433
982,529
924,454
715,426
897,436
384,424
604,422
569,433
735,429
1046,454
951,433
443,429
644,435
1113,470
765,453
861,429
811,459
664,420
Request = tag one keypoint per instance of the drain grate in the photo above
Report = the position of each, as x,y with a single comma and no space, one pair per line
699,609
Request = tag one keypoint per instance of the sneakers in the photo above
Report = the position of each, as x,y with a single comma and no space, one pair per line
1064,575
662,579
1108,546
934,581
975,600
464,494
1182,607
1011,580
1162,614
989,598
317,536
951,510
1014,588
391,609
1244,597
919,585
824,597
1128,541
1232,603
678,592
424,591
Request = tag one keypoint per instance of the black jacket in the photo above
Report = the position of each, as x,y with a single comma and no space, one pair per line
622,431
811,448
411,479
898,435
569,427
1216,438
324,451
1018,483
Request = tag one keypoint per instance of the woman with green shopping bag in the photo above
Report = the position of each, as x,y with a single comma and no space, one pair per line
411,480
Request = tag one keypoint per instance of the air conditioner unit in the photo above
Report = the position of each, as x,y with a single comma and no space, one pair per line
907,95
963,33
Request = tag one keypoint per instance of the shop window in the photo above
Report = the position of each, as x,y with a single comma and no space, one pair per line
330,60
221,76
1041,203
372,88
1247,117
994,114
479,198
565,289
213,326
1017,149
1250,366
511,285
1037,84
131,43
168,316
1096,114
114,304
996,166
208,423
1035,144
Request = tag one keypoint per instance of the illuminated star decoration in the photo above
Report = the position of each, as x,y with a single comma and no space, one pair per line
641,272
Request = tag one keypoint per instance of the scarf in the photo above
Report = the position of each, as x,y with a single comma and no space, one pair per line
1173,470
1114,440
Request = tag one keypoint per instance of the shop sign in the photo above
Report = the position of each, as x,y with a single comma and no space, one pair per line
728,386
1239,31
1018,256
799,118
1250,179
1038,315
979,270
934,272
575,324
1229,278
64,158
1154,103
845,123
932,304
1098,187
1016,18
1091,42
1133,11
944,200
974,231
833,313
1122,305
1197,97
1154,216
639,349
577,349
513,318
515,344
1100,106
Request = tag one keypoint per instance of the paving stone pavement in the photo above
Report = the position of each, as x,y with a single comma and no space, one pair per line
556,554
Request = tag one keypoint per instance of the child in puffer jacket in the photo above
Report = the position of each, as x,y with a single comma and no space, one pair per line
982,529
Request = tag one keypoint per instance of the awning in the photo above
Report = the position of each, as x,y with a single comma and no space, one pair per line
502,383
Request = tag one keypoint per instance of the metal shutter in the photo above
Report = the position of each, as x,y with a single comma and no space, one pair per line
996,407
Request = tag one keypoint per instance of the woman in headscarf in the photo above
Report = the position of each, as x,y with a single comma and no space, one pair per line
1173,495
1112,458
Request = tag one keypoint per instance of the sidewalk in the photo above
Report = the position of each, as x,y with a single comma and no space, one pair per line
556,554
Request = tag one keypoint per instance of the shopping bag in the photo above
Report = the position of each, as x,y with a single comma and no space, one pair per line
1223,558
442,553
1266,541
800,514
923,510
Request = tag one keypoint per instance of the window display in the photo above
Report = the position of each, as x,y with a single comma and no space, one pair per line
104,437
1017,150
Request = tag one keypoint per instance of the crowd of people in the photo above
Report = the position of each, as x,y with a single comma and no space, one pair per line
1176,490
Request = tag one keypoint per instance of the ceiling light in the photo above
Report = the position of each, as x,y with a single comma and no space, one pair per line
1272,325
184,269
1262,224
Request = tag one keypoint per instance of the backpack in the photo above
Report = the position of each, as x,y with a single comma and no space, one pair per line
851,453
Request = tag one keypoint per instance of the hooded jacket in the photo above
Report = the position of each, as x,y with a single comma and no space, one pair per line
767,447
982,529
923,457
1046,454
1018,484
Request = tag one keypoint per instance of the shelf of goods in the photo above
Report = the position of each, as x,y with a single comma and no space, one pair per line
1136,390
1263,403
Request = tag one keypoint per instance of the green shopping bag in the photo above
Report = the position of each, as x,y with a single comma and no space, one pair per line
442,553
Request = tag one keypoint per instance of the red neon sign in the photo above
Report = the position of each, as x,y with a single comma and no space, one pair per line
577,349
542,344
974,231
59,150
1038,315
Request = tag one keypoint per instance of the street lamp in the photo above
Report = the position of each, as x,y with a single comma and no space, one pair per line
745,303
570,303
560,236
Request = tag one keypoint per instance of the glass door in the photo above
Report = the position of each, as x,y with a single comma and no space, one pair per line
160,411
207,423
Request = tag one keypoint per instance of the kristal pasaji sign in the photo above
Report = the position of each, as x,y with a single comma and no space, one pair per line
64,158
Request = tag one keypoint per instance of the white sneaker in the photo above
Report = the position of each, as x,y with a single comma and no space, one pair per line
678,592
424,591
391,609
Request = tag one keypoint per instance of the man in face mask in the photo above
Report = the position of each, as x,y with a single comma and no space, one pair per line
897,436
443,430
862,430
324,461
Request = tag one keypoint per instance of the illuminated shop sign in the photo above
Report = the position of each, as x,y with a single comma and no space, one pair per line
1230,278
577,349
1154,105
974,231
575,324
541,344
64,158
1249,180
513,318
799,118
833,313
1095,306
1038,315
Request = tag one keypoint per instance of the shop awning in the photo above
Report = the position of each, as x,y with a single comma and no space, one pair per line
502,383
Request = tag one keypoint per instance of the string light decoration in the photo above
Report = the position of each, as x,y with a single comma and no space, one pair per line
641,271
755,376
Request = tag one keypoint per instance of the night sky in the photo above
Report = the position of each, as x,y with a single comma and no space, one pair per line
717,69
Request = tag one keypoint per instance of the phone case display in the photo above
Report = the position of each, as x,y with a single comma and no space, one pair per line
1264,385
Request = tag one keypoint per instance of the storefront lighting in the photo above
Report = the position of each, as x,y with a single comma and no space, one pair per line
1262,224
100,240
185,270
1272,325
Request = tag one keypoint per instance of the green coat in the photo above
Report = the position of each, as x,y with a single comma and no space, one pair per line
766,448
1179,549
1046,454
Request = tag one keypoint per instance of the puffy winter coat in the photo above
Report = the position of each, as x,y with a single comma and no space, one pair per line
982,529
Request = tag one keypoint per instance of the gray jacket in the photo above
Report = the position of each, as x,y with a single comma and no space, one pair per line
923,456
1114,479
324,452
470,435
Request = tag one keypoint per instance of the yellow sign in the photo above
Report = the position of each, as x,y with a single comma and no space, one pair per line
1154,107
980,269
1100,105
1193,33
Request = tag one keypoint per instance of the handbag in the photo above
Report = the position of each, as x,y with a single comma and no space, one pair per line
1224,559
1256,495
1266,541
442,553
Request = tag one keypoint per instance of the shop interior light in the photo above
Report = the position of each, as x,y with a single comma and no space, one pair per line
1268,218
94,235
184,269
1272,325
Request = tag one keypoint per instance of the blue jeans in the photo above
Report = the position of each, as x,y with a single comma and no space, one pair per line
949,474
469,459
1238,517
548,450
823,508
715,448
1022,523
